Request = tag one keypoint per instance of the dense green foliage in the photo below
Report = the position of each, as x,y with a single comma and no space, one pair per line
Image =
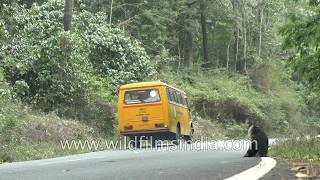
27,135
302,36
73,73
234,99
40,53
225,54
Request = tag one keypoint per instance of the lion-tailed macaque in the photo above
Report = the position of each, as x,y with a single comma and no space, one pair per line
259,143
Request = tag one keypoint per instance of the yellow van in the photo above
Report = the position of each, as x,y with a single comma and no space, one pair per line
154,109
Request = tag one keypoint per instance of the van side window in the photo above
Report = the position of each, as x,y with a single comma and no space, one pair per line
170,94
184,100
187,103
176,98
180,98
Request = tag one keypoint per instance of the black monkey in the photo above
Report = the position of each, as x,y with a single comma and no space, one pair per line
259,143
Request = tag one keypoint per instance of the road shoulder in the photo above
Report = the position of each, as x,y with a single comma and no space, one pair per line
280,171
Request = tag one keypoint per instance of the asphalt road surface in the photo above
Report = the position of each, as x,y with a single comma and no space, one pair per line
137,164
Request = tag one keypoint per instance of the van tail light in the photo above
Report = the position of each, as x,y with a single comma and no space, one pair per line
128,127
159,125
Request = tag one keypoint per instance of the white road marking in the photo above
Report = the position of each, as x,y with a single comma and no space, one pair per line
257,171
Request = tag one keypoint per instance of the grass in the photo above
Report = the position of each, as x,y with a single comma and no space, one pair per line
207,129
297,150
29,135
235,99
32,136
213,130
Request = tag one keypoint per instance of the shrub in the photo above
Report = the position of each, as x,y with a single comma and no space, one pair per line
115,55
69,72
233,99
297,149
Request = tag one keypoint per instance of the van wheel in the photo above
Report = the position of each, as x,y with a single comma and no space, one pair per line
135,142
188,139
154,143
177,138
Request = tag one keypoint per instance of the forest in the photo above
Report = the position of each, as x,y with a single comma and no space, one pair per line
239,61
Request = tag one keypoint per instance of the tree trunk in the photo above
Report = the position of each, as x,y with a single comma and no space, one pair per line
215,50
67,15
245,48
244,68
260,31
204,31
188,50
228,53
236,48
267,21
179,57
110,18
236,36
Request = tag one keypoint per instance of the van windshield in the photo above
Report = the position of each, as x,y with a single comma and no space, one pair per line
142,96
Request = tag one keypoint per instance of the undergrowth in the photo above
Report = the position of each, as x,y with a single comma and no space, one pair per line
299,150
233,99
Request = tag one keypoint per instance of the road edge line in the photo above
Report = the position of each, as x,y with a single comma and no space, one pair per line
256,172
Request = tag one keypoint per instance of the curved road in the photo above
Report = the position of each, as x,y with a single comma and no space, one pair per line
138,164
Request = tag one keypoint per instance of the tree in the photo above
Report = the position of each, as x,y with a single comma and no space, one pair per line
230,33
67,15
302,35
244,43
188,50
204,31
261,9
185,31
58,66
235,6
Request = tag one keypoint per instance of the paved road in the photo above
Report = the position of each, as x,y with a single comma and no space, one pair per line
137,164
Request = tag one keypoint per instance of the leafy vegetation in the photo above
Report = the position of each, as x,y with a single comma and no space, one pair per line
61,66
300,149
26,134
301,38
234,99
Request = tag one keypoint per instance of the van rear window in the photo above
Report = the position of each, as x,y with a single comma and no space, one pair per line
142,96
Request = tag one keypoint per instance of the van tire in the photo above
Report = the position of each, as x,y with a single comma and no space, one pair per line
177,138
154,143
188,139
135,142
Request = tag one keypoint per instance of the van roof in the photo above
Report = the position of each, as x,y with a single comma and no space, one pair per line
147,84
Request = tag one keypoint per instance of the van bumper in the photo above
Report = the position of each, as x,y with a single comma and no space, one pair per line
146,131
